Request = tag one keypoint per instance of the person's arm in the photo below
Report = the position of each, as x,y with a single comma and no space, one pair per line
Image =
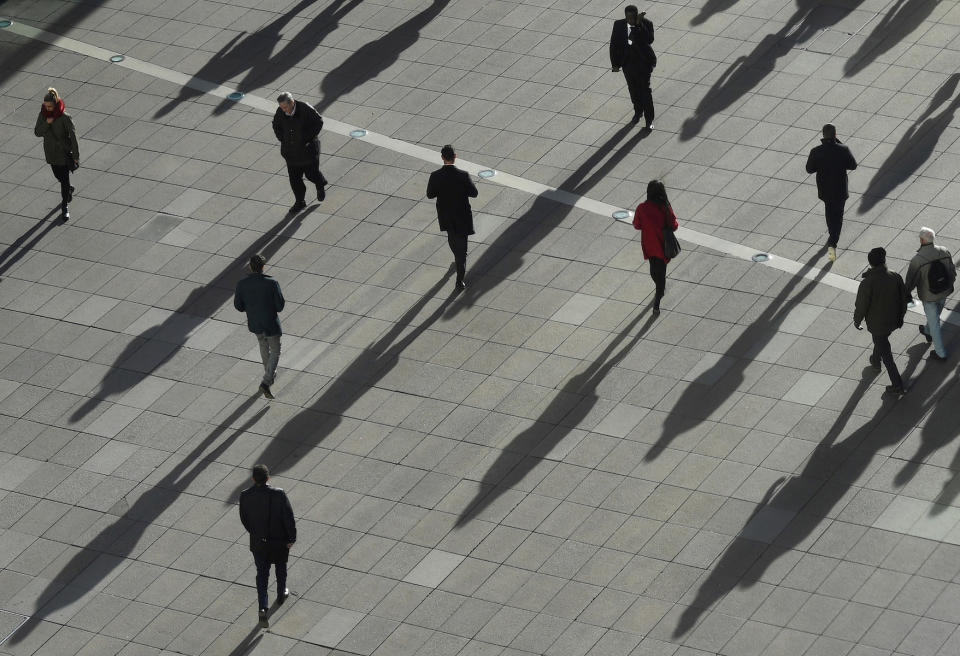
636,218
951,267
277,130
289,523
72,138
812,163
911,277
646,25
851,162
42,126
245,516
904,299
278,300
432,186
616,52
471,188
238,300
862,305
674,218
313,122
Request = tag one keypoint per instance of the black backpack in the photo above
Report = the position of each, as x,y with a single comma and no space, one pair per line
938,277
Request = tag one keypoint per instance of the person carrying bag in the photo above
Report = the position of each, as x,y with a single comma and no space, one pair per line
657,223
60,147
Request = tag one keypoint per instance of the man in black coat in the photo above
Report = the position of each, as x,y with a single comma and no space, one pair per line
631,50
452,187
830,161
882,300
268,517
260,297
297,126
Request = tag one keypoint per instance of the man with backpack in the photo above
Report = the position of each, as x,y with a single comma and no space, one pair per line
933,273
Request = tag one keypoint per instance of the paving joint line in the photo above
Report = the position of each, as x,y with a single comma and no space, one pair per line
733,249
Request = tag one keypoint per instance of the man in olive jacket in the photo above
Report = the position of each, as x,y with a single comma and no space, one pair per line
297,126
268,517
918,276
259,296
882,300
830,161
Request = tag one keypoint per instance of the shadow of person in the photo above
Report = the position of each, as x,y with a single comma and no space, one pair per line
309,427
899,22
156,345
747,72
711,389
253,55
570,405
793,508
915,146
710,8
120,538
372,59
507,254
19,248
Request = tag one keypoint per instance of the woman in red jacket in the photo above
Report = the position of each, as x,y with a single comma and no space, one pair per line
650,218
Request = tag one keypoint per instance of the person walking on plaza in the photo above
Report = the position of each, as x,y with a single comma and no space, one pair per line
651,218
453,189
259,296
268,517
60,146
882,301
932,272
830,161
297,126
631,49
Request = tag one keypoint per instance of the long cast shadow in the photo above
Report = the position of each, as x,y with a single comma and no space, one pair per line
156,345
915,147
773,529
122,536
19,248
571,405
748,71
373,58
507,254
901,20
253,54
705,395
709,8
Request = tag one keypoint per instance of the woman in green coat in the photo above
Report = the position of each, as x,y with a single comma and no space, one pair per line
59,144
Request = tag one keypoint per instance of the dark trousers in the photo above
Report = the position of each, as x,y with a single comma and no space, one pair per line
882,352
658,271
834,212
458,245
297,173
638,82
62,174
263,577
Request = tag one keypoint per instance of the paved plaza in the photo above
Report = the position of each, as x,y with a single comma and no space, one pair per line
535,466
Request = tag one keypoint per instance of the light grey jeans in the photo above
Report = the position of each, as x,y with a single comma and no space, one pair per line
270,354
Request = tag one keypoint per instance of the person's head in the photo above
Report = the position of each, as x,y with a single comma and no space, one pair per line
829,131
632,14
256,263
50,99
448,154
657,193
877,257
927,235
260,474
285,100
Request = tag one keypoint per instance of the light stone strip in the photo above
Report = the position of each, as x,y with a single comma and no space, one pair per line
428,155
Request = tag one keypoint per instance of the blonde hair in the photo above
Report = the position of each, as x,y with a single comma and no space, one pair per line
51,96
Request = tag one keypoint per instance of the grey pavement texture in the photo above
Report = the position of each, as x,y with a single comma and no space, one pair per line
537,465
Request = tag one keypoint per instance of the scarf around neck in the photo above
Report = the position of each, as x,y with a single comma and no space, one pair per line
57,111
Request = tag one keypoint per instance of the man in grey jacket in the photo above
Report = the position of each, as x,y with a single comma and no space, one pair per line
259,296
920,274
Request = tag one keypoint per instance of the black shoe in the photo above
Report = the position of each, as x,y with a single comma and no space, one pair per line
925,334
636,118
265,390
459,286
895,389
65,212
936,356
70,197
299,205
321,193
282,596
875,365
648,127
262,616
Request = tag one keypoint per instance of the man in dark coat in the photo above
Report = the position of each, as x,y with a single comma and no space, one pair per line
297,126
631,50
260,297
268,517
830,161
882,300
452,187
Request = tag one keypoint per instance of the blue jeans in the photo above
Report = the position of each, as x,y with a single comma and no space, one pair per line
263,578
933,309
